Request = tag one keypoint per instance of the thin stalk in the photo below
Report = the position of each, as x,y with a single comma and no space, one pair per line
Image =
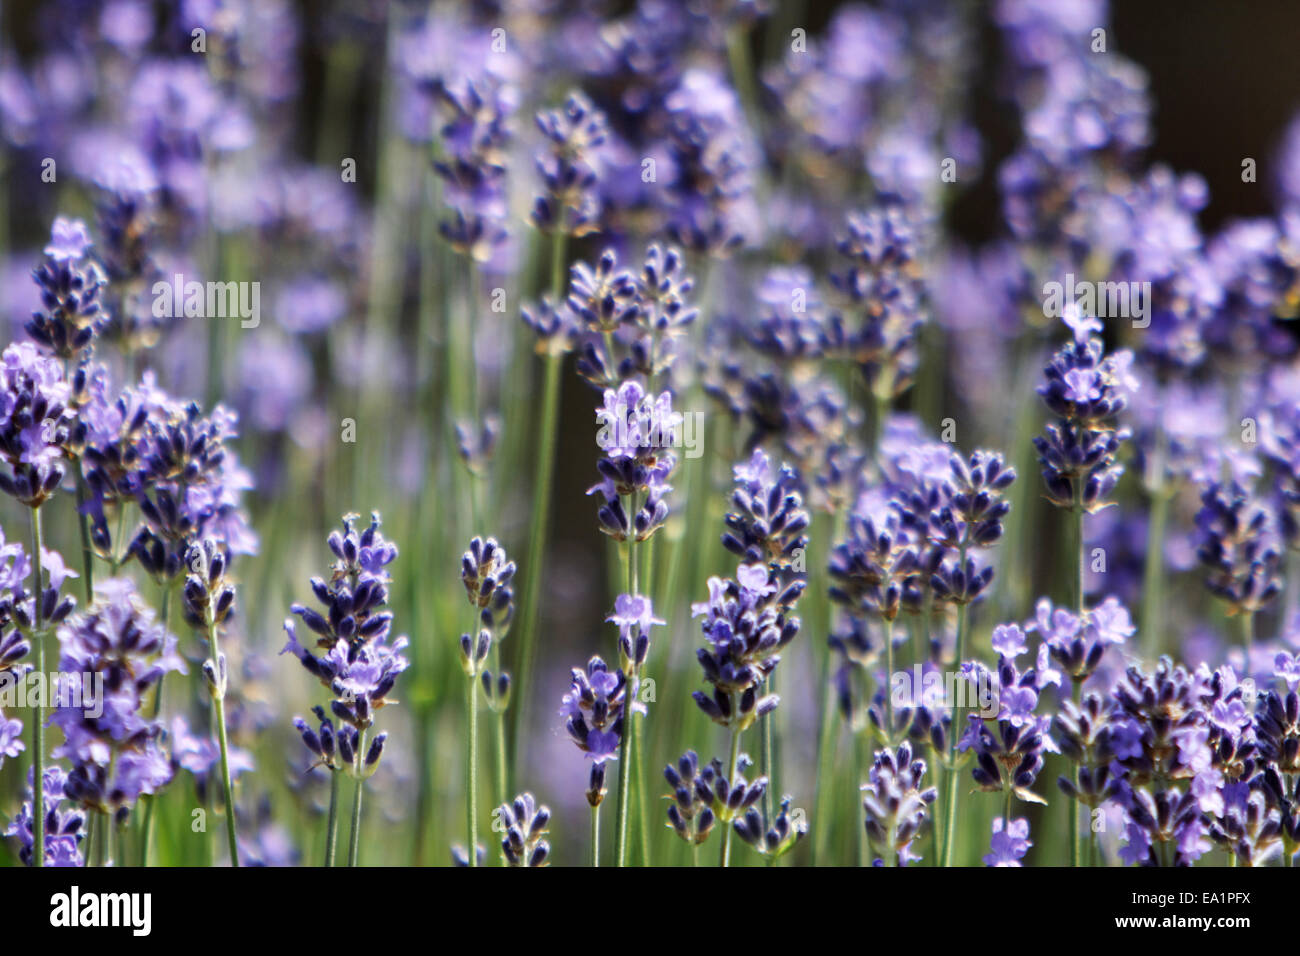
765,735
953,776
87,552
827,529
1076,837
889,677
595,835
638,792
116,555
742,74
724,857
1246,628
1076,518
90,838
354,841
537,536
826,747
624,785
38,724
100,848
219,700
146,827
1153,571
629,716
471,758
332,827
502,774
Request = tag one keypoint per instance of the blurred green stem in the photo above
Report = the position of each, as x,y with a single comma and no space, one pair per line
146,826
471,762
952,771
354,842
1153,571
724,858
219,702
332,826
541,503
1246,627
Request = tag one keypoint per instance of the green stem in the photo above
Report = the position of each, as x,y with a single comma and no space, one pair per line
150,800
595,835
724,857
332,827
742,74
1076,516
537,538
825,768
90,838
1076,838
116,549
889,677
354,842
87,552
38,723
953,774
765,735
638,794
502,778
624,785
219,699
1153,571
471,758
1246,627
100,849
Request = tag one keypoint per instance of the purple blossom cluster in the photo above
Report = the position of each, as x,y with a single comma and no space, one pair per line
119,652
360,661
837,279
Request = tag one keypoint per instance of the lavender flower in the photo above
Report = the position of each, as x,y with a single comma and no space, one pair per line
884,298
710,203
896,803
70,287
769,520
777,839
1157,713
115,755
631,319
525,823
64,828
472,164
1010,842
1240,546
636,431
570,167
1009,748
35,423
1086,391
746,622
1077,642
594,713
691,811
488,574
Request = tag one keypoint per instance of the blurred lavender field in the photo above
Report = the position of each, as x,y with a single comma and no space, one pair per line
657,433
